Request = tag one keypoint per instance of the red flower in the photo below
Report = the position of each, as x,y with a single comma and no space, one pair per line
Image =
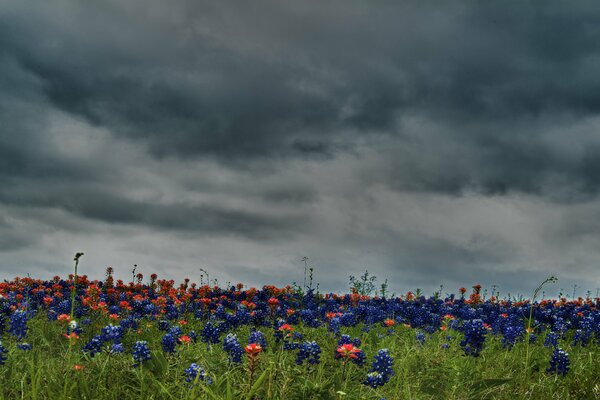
285,327
63,318
348,351
389,322
185,339
253,350
71,335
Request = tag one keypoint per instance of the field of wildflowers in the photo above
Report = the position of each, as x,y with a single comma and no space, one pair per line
80,339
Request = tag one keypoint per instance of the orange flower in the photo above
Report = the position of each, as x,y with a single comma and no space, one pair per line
348,351
285,327
389,322
78,367
114,316
253,350
185,339
71,335
63,318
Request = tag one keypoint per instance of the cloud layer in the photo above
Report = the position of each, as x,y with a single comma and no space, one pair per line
429,143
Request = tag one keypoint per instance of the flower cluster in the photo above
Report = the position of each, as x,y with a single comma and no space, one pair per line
381,369
233,347
196,373
475,332
350,352
559,362
309,351
141,352
259,338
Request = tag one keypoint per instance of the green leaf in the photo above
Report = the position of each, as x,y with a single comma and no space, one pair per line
257,385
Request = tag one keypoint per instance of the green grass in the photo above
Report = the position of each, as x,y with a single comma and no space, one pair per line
421,371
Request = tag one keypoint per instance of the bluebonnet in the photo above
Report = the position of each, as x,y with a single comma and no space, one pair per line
551,339
163,325
24,346
94,345
176,331
381,369
233,347
309,351
334,325
532,338
141,352
346,339
117,348
210,333
512,334
474,332
259,338
112,332
195,372
3,351
559,362
18,324
168,343
420,336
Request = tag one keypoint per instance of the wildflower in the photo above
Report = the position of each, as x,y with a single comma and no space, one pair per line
141,352
195,373
117,348
551,339
345,339
259,338
389,322
233,347
253,350
18,324
348,351
475,332
78,367
63,318
94,345
309,351
168,343
112,332
185,339
559,362
210,333
381,369
2,354
420,336
71,336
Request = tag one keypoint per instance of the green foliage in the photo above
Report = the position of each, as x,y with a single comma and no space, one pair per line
364,284
425,371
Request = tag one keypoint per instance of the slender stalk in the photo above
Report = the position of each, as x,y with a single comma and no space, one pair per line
529,322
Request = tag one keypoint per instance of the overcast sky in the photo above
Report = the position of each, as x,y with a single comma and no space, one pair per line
431,143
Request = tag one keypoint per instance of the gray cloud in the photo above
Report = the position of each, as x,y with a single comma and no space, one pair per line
370,133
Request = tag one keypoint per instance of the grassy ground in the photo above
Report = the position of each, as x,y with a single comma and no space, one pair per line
422,371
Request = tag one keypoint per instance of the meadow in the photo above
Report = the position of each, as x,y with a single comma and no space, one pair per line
73,338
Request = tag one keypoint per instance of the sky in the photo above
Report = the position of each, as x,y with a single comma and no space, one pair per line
430,143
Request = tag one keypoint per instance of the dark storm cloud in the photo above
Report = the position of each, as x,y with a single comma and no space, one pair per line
317,128
276,80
